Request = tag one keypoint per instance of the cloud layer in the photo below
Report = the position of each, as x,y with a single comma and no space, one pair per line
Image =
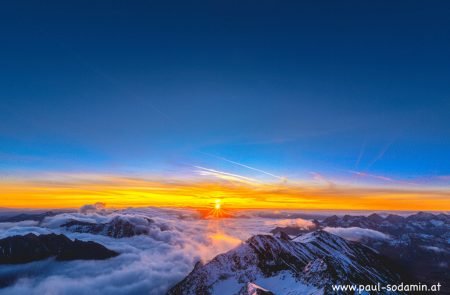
148,264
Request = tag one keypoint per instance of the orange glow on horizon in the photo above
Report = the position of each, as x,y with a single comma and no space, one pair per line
119,192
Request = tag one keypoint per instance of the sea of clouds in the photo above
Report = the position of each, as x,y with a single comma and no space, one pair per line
147,264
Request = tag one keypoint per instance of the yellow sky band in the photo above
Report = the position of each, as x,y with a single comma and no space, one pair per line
130,192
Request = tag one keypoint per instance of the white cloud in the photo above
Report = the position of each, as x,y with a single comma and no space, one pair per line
91,208
22,229
25,223
434,249
356,233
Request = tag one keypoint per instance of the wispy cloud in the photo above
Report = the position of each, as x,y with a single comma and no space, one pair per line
321,178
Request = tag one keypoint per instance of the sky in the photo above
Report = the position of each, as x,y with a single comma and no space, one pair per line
337,104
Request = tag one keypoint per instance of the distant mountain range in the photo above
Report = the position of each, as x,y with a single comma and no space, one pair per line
420,243
118,227
395,225
308,264
28,216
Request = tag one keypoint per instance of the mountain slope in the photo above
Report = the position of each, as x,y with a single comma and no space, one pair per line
308,264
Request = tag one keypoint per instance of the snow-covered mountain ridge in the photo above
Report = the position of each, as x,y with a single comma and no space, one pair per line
308,264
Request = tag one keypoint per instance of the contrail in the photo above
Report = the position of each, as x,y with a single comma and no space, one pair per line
361,153
225,175
115,83
380,155
380,177
248,167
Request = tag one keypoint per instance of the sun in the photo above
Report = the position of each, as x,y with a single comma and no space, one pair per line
218,204
217,210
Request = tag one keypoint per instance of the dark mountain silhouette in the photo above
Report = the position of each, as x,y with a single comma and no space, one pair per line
31,247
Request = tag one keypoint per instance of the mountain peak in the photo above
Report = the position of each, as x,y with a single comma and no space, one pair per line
394,218
253,289
316,235
375,217
282,235
421,216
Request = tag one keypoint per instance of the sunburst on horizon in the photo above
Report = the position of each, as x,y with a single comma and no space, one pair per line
217,211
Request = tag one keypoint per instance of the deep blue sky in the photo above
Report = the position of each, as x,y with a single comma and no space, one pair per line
289,87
